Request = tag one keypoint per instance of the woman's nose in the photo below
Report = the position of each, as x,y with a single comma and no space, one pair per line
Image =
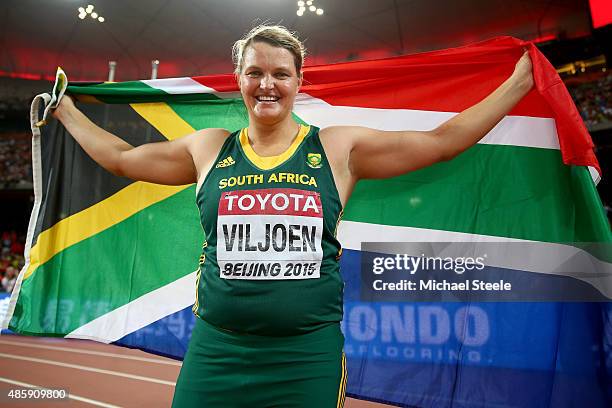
267,82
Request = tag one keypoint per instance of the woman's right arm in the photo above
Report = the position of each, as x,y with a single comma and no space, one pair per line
173,162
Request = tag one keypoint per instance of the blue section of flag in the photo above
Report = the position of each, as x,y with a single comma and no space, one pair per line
167,337
506,354
510,354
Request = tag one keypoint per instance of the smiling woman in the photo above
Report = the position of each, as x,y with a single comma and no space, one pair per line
268,67
269,290
268,83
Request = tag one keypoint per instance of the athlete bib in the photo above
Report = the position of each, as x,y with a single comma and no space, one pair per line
270,234
270,263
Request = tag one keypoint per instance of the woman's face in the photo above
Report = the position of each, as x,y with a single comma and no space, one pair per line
268,82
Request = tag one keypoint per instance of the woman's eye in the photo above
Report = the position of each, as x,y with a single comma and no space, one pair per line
282,75
253,74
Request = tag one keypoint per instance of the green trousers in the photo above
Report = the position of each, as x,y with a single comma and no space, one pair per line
225,369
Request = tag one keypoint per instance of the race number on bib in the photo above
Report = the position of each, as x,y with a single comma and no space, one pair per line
270,234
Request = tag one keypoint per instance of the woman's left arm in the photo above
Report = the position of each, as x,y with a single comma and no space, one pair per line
382,154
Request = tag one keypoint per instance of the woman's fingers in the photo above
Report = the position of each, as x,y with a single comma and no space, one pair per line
523,70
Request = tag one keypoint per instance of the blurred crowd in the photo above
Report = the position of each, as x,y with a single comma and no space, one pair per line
15,98
594,101
11,259
15,160
12,107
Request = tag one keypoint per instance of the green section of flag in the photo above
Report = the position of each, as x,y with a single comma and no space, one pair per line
135,92
227,114
507,191
230,114
146,251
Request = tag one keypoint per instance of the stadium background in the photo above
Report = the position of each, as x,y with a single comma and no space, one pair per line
191,38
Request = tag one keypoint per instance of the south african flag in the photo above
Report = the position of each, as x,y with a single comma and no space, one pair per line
114,260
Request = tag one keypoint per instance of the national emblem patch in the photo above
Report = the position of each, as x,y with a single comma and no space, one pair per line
314,160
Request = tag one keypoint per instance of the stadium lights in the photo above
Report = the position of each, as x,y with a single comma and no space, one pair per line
309,4
577,67
89,10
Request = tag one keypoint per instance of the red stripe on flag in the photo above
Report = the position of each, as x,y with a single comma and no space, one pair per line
445,81
220,83
448,80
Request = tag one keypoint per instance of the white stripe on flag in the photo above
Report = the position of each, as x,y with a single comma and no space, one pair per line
180,294
141,312
521,255
351,232
524,131
595,176
512,130
178,86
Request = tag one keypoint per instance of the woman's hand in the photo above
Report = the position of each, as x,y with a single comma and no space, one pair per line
169,162
523,72
65,104
379,154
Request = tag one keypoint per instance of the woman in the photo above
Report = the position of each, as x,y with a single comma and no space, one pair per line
269,292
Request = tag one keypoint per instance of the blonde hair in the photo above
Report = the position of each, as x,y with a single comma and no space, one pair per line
275,35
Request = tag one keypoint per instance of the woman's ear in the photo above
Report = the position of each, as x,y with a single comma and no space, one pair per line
300,79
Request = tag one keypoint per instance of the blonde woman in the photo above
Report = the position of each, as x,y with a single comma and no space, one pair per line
269,291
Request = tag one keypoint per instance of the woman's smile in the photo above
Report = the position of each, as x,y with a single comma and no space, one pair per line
267,99
268,82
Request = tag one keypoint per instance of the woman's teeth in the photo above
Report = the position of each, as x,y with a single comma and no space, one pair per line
267,98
